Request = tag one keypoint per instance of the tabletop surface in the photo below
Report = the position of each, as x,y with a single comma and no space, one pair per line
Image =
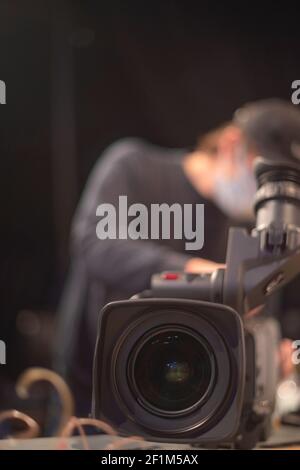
286,437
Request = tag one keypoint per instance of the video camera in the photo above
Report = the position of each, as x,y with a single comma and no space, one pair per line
186,362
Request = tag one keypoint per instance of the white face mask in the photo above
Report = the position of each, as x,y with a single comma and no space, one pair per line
235,195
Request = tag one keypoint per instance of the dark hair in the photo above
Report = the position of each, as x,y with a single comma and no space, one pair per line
272,127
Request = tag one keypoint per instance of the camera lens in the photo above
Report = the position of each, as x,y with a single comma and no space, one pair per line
172,371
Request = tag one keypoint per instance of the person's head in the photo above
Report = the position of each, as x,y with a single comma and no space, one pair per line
225,156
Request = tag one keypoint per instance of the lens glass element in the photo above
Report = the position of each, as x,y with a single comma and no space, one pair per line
173,370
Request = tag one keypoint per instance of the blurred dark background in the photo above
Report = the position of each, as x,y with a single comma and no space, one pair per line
80,75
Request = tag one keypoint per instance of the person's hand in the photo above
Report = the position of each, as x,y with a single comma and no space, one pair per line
200,265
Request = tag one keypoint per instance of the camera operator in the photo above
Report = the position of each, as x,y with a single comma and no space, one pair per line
218,173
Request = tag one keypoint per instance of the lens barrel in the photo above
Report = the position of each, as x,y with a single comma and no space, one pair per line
277,204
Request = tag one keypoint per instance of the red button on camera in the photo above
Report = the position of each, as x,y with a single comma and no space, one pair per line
171,276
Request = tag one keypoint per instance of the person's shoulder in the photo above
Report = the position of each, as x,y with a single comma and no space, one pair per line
131,149
117,157
125,150
131,155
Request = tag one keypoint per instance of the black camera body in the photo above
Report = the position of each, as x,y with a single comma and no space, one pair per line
183,362
130,333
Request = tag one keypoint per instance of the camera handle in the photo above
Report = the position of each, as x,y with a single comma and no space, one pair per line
251,273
